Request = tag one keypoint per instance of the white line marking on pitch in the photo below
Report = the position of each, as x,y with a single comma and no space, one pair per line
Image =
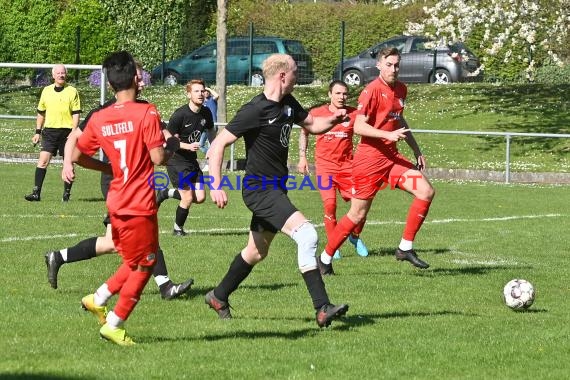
239,230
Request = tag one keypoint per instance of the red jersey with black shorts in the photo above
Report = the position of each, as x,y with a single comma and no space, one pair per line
127,132
333,155
377,162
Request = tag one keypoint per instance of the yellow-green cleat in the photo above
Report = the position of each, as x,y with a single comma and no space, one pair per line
88,303
118,336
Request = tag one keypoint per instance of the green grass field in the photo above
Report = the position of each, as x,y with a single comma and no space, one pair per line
446,322
527,108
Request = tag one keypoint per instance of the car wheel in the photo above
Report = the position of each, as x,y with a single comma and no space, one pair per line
171,78
441,76
353,78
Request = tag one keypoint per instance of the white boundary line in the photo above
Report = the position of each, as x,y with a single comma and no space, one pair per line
245,229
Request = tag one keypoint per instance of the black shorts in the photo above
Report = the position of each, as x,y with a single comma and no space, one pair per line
270,207
54,139
184,174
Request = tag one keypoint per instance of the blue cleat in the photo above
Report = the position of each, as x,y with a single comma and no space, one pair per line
337,255
359,245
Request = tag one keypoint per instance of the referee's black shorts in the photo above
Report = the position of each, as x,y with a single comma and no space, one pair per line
271,207
53,140
184,174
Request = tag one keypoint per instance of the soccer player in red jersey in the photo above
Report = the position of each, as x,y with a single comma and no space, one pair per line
130,135
333,161
377,161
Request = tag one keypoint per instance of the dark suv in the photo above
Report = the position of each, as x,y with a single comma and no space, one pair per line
455,63
201,63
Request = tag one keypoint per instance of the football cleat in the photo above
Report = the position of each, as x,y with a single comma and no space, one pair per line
359,245
170,291
327,313
116,335
221,307
34,196
65,197
53,262
88,304
325,269
412,257
180,232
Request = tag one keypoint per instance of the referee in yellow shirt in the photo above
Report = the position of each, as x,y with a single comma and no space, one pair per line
58,113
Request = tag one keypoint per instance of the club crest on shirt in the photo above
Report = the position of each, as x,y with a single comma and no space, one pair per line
285,134
194,136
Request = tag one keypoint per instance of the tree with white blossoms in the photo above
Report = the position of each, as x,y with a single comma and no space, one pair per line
520,34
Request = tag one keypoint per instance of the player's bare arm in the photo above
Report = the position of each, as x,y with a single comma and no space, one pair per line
88,162
362,128
413,144
68,171
303,165
318,125
215,158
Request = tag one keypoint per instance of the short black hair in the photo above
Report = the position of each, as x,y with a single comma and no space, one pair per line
339,82
120,68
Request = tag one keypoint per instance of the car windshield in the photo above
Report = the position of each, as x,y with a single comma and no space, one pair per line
294,47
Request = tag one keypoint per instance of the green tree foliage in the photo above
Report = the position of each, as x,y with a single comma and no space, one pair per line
97,33
27,29
139,26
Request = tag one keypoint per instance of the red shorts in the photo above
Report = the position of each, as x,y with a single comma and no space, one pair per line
136,238
371,175
329,183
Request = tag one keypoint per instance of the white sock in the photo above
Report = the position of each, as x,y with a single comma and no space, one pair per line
161,280
171,193
102,295
63,254
406,245
325,258
114,321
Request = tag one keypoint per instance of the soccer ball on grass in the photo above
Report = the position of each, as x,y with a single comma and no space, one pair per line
518,294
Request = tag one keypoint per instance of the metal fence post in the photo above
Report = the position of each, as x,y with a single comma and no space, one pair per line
508,159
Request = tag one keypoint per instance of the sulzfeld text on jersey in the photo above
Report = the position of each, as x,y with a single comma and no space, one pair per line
117,128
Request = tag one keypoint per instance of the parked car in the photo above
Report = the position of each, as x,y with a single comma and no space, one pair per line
454,63
201,63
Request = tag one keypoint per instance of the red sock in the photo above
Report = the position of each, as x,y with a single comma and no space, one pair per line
416,216
358,229
329,219
339,235
131,293
117,280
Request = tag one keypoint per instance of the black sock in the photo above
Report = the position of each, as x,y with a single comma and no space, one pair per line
160,266
176,194
84,250
39,178
67,187
181,216
238,272
316,288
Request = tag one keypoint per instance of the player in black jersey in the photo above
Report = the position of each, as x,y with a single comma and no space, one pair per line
96,246
188,123
265,124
